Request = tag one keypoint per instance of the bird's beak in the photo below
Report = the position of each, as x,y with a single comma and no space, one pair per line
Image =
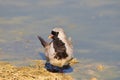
50,36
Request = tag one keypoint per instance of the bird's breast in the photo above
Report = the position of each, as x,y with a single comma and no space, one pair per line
60,49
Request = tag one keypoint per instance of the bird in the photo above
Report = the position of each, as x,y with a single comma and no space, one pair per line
59,51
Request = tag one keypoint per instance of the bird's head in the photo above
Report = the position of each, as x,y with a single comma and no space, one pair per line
57,33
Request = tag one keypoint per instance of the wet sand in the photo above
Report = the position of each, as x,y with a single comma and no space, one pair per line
34,71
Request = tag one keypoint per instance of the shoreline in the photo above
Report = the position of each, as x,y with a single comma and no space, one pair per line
35,71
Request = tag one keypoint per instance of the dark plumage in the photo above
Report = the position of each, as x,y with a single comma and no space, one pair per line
59,51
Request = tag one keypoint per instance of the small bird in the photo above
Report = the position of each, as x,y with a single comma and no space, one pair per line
59,52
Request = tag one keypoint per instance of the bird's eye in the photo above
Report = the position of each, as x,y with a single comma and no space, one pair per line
54,33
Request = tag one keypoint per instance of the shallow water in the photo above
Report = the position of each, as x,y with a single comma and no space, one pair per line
19,46
94,26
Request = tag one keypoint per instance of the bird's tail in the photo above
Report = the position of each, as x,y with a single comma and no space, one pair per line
43,42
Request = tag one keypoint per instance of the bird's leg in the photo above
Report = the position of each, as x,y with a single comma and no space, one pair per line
61,71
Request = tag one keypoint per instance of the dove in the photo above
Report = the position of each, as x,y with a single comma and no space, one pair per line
58,52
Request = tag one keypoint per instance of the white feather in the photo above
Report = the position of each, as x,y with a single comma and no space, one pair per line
50,52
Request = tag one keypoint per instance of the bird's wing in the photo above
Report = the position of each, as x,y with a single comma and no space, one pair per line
59,46
60,49
43,42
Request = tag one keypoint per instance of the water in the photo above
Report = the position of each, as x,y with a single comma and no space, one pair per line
19,47
93,25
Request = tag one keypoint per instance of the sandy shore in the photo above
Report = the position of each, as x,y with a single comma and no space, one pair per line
32,72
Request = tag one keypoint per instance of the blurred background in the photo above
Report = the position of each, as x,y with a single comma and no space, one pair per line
94,26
